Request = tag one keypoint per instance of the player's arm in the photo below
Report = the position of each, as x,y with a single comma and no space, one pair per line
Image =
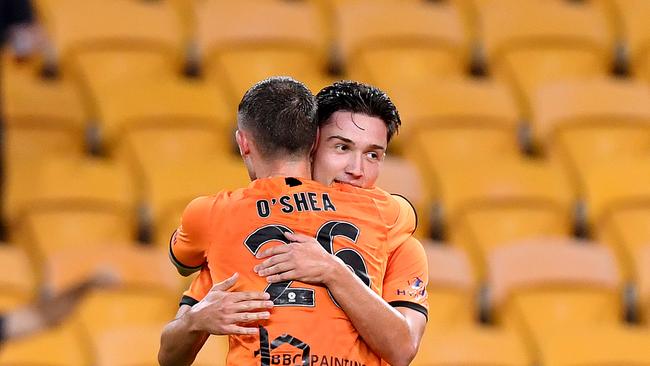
189,242
386,330
220,312
405,284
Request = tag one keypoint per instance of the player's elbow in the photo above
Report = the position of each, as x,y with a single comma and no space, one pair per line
168,354
404,354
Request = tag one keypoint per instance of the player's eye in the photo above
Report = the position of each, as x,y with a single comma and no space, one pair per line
373,155
341,147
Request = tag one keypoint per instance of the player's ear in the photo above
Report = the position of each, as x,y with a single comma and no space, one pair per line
315,145
242,143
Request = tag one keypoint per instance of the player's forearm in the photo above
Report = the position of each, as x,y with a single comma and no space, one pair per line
179,343
382,327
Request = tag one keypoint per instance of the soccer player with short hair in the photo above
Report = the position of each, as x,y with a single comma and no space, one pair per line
357,121
229,231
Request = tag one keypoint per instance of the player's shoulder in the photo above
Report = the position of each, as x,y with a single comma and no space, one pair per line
204,204
393,206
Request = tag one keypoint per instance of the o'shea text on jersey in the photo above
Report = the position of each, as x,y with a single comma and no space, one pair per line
297,202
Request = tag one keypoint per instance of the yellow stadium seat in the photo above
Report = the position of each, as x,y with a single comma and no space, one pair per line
642,259
528,43
171,187
171,146
18,285
394,42
490,203
455,120
60,346
75,27
471,345
617,208
636,33
242,42
138,346
77,203
451,287
544,286
42,118
147,292
400,176
140,97
592,121
613,345
135,267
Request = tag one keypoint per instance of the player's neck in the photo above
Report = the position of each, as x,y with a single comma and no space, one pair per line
296,169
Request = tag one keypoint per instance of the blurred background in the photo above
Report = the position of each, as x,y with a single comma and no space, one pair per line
525,147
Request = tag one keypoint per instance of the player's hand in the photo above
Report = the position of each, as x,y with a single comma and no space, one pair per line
223,312
304,260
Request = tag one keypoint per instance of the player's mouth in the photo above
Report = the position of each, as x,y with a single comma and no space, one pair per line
352,183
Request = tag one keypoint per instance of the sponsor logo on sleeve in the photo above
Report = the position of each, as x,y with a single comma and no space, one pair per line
416,289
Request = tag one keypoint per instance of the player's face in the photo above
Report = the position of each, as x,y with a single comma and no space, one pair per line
351,148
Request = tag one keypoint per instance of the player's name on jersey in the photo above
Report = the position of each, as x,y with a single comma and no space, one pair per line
297,202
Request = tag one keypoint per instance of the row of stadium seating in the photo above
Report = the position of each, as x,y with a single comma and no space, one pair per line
449,32
66,202
539,294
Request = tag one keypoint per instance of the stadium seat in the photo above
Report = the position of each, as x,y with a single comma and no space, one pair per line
242,42
143,343
613,345
471,345
636,32
60,346
400,176
147,293
78,203
489,203
592,121
150,99
18,285
116,40
136,267
545,286
395,42
451,287
528,43
642,259
42,118
171,187
617,207
75,27
146,150
459,120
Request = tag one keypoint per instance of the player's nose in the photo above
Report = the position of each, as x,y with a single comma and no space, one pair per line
355,167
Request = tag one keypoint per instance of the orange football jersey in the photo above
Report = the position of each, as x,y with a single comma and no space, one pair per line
306,327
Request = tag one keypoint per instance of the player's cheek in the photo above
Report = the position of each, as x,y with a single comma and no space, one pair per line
328,167
371,173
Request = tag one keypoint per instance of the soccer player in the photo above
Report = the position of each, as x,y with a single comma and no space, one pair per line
276,132
357,121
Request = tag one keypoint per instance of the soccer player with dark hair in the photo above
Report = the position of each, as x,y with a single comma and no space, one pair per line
357,121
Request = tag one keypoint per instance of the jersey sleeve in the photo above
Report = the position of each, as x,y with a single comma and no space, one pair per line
404,224
199,287
189,244
407,276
